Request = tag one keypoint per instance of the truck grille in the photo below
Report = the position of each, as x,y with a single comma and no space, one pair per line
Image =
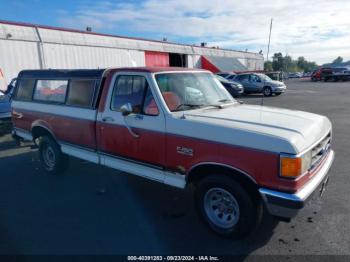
320,150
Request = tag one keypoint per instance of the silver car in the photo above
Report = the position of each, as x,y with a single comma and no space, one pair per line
5,106
260,83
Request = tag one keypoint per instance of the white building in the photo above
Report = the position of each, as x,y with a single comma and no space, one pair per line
28,46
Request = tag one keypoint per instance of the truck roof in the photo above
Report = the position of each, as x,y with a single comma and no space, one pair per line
62,73
96,73
150,69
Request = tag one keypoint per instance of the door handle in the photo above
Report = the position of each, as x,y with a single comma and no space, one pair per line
130,130
108,119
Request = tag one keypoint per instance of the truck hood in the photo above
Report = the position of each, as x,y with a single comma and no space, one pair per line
293,131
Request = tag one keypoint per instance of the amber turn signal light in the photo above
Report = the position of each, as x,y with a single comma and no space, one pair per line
290,167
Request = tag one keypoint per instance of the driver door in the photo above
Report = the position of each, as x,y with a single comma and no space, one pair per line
139,137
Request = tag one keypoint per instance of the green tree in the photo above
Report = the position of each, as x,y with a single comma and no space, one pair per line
338,60
302,63
277,62
268,66
287,64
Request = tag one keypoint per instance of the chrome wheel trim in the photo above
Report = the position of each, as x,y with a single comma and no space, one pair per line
221,207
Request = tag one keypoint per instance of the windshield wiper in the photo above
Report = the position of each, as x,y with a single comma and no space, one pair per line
179,108
224,100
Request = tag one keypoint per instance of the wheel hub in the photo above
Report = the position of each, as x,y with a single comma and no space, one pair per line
221,207
49,157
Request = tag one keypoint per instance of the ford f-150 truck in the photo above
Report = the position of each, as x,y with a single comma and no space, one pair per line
178,127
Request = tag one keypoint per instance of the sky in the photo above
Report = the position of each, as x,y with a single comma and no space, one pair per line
319,30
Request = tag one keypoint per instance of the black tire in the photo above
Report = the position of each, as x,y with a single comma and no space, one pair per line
51,157
267,91
248,214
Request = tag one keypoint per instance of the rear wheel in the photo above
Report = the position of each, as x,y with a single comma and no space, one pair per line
226,206
267,91
51,157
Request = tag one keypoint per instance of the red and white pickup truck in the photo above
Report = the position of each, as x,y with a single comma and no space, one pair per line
178,127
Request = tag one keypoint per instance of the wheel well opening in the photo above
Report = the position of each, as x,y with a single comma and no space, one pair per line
247,183
39,131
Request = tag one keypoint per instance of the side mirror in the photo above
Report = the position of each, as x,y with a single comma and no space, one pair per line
126,109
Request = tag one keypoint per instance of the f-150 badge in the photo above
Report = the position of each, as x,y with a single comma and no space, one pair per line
184,151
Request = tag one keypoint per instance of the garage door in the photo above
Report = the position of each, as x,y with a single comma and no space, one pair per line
156,59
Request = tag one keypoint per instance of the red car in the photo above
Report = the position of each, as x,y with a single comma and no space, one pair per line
322,74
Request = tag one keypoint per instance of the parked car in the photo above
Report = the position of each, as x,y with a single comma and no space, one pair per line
307,74
179,127
277,75
11,87
260,83
331,74
5,106
234,88
227,75
295,75
322,74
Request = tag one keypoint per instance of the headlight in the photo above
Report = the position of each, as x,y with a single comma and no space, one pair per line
293,167
236,86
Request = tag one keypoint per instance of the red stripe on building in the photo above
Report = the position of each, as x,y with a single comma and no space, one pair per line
156,58
206,64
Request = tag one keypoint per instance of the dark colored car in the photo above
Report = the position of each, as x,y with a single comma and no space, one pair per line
228,75
277,75
5,106
322,74
11,87
234,88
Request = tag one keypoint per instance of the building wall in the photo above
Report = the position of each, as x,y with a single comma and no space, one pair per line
83,57
14,56
194,61
24,46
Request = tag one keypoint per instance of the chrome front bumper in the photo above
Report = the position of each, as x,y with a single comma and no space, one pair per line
287,205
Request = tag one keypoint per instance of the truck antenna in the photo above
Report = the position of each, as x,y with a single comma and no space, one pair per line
267,57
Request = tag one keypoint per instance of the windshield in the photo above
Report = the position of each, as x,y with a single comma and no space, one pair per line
185,91
264,77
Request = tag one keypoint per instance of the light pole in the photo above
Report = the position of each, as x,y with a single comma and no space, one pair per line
268,46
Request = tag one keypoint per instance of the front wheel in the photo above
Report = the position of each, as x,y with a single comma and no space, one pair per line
51,157
267,91
226,206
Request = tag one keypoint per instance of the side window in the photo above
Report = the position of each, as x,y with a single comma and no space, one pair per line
51,90
242,78
25,89
81,93
133,90
254,78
